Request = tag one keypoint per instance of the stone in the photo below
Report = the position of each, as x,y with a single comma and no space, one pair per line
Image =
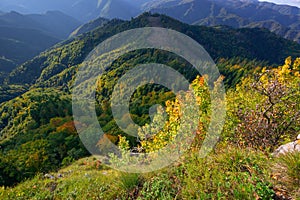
49,176
287,148
59,176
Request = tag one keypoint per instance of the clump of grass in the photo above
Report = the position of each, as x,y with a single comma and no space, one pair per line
129,183
287,173
129,180
292,163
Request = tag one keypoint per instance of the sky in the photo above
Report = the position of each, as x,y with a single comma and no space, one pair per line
289,2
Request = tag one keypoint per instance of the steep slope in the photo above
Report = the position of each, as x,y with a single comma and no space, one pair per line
37,128
117,9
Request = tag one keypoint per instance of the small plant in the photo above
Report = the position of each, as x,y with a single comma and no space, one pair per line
264,190
129,181
158,187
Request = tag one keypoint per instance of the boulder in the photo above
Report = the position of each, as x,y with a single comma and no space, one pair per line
287,148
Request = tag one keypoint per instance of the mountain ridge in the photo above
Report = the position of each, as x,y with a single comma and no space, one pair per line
233,13
236,13
220,42
24,36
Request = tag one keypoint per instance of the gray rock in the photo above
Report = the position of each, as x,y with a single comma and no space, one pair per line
49,176
288,148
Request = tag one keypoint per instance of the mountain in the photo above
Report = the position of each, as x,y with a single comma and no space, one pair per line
24,36
54,23
20,44
37,132
83,10
220,42
56,66
89,26
280,19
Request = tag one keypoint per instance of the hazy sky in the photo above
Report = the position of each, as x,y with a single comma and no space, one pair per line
290,2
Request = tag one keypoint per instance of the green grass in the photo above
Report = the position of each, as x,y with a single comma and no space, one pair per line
226,174
82,180
287,174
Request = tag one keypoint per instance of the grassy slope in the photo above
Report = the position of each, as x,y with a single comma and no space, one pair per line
226,174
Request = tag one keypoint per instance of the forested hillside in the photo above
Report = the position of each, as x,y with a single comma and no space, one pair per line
261,74
240,167
220,42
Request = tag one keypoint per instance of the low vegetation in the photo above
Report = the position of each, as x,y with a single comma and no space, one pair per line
240,167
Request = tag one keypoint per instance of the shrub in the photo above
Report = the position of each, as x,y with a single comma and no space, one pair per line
267,107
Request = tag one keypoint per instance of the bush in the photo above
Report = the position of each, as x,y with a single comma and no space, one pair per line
266,108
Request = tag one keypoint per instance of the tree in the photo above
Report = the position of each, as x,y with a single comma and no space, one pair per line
267,106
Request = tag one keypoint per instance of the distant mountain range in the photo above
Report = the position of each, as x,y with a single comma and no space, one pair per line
220,42
24,36
54,23
84,10
280,19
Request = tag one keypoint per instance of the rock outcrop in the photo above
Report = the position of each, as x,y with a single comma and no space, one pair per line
287,148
